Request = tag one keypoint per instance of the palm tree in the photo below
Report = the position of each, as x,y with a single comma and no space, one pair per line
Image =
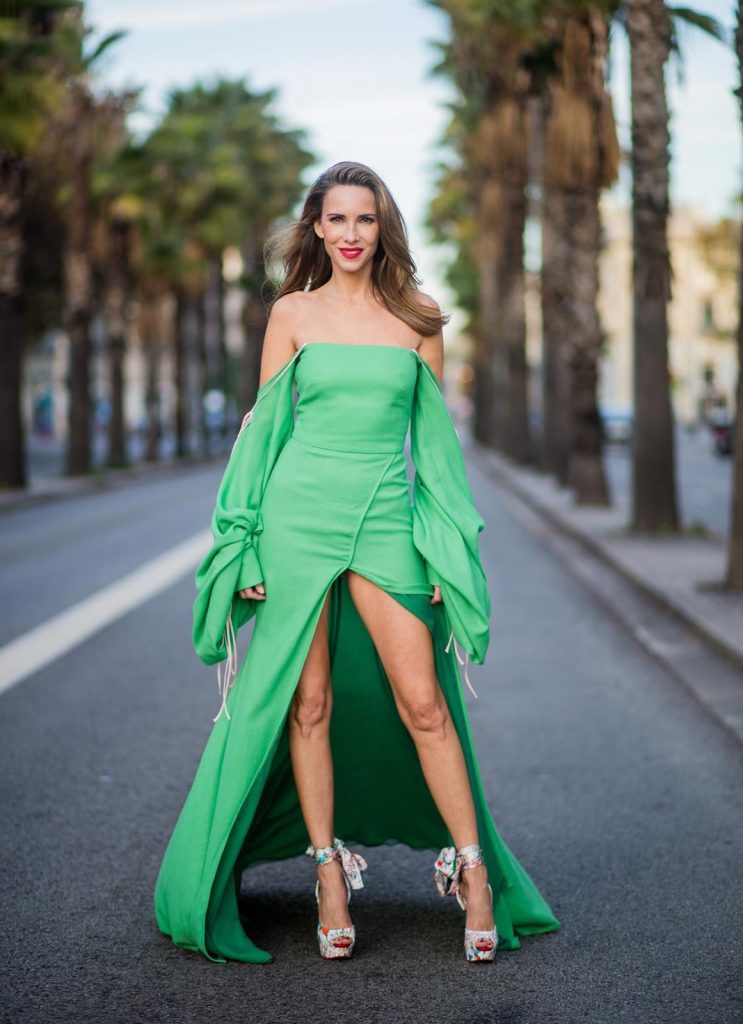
734,574
655,501
451,220
650,27
488,60
81,124
580,158
119,225
222,169
28,90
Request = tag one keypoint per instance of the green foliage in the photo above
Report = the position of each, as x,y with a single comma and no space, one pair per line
451,222
29,61
218,167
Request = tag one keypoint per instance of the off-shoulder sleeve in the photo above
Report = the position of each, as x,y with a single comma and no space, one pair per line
233,561
446,523
236,523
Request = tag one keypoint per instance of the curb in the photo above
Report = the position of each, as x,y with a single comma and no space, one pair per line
63,488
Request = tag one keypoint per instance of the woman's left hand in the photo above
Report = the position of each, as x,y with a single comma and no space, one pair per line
437,598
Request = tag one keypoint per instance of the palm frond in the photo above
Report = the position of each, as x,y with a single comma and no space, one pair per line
100,48
685,16
704,22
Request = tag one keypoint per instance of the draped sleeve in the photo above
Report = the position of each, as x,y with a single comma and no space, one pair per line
233,561
446,523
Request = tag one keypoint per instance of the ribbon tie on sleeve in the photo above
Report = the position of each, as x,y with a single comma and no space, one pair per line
236,524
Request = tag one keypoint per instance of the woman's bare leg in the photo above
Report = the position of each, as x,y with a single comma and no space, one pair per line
406,651
309,748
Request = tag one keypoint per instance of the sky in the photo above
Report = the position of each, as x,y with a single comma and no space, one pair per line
356,74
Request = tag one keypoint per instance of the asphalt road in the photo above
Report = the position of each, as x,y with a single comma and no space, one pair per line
617,792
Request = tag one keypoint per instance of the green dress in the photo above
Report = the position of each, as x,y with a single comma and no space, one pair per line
312,489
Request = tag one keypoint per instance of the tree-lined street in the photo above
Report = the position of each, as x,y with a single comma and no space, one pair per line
135,285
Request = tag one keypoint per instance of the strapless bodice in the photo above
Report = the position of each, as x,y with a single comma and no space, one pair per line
355,398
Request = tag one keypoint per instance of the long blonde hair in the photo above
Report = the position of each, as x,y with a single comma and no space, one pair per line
300,252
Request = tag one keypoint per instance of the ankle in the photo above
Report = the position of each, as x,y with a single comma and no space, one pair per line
330,873
474,879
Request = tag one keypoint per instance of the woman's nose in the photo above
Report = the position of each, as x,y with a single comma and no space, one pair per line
352,232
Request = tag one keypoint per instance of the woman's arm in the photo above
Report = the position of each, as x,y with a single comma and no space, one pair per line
279,338
278,348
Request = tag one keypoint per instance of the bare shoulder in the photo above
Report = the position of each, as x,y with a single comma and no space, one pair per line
431,347
279,338
285,309
427,300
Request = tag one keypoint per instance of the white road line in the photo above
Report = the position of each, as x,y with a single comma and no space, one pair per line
43,644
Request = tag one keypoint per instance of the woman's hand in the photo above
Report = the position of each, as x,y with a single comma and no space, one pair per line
437,598
258,592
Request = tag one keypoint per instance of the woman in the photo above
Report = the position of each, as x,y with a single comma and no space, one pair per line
357,595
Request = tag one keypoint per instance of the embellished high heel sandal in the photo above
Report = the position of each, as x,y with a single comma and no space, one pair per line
479,946
338,943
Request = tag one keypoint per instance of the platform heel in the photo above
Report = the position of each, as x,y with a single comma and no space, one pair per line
338,943
479,946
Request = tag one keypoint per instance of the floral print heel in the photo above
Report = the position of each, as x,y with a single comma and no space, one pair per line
479,946
338,943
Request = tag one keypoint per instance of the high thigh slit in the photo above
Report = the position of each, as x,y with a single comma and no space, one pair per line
335,496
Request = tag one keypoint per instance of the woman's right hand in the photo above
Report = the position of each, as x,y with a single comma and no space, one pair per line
257,593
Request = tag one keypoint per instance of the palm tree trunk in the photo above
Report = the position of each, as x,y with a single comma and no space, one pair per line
734,575
586,474
488,360
79,289
553,449
515,428
655,505
214,339
152,396
499,173
221,331
180,373
254,319
201,302
555,337
117,312
12,455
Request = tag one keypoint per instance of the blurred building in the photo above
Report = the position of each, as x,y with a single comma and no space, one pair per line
45,395
702,316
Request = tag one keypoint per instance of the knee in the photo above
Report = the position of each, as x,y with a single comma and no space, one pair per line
428,716
311,711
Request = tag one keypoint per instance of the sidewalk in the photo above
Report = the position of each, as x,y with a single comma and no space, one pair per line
683,573
54,488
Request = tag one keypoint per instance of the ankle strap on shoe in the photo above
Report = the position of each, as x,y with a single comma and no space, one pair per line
352,863
449,866
323,854
471,856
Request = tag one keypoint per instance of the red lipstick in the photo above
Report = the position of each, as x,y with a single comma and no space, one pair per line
350,254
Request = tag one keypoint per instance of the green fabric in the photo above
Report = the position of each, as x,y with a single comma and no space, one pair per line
306,494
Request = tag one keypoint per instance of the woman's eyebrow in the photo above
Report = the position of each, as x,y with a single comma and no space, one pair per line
331,214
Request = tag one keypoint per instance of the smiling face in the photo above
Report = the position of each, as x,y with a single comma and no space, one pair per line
349,227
